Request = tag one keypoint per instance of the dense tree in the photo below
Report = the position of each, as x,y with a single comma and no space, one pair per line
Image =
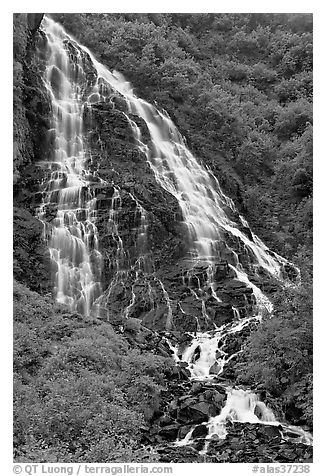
239,87
80,391
279,354
221,77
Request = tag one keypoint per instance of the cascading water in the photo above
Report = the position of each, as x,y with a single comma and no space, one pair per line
211,233
203,204
72,236
199,195
143,262
244,406
206,350
204,211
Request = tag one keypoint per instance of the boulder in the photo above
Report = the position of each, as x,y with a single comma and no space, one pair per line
198,412
183,431
270,432
200,431
218,398
166,420
169,432
187,401
215,368
196,387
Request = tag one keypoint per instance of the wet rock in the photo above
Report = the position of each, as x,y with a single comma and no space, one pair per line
169,432
183,364
215,368
196,387
165,420
220,389
270,432
220,312
183,431
218,398
255,443
198,412
206,395
223,271
187,401
185,373
200,431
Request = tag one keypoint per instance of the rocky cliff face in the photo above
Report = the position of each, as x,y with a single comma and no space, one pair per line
31,123
149,286
117,160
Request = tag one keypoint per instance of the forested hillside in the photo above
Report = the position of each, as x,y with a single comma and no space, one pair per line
106,386
239,87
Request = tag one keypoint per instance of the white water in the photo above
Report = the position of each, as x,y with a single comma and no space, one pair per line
241,405
204,208
206,349
198,192
244,406
199,195
72,236
168,305
118,261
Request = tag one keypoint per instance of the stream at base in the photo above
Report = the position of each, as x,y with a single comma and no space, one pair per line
242,405
216,233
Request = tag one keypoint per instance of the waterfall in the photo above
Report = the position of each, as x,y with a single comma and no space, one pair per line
201,200
72,235
244,406
205,354
204,206
211,234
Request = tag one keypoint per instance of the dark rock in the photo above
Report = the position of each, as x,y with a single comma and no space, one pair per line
183,454
187,401
220,312
183,431
215,368
198,412
196,387
32,262
255,443
156,318
270,431
185,373
169,432
223,271
183,364
200,431
218,398
165,420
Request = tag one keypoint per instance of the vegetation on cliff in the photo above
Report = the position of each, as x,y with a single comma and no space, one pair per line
82,392
239,87
279,355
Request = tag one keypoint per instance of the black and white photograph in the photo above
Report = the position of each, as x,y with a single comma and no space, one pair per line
162,239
